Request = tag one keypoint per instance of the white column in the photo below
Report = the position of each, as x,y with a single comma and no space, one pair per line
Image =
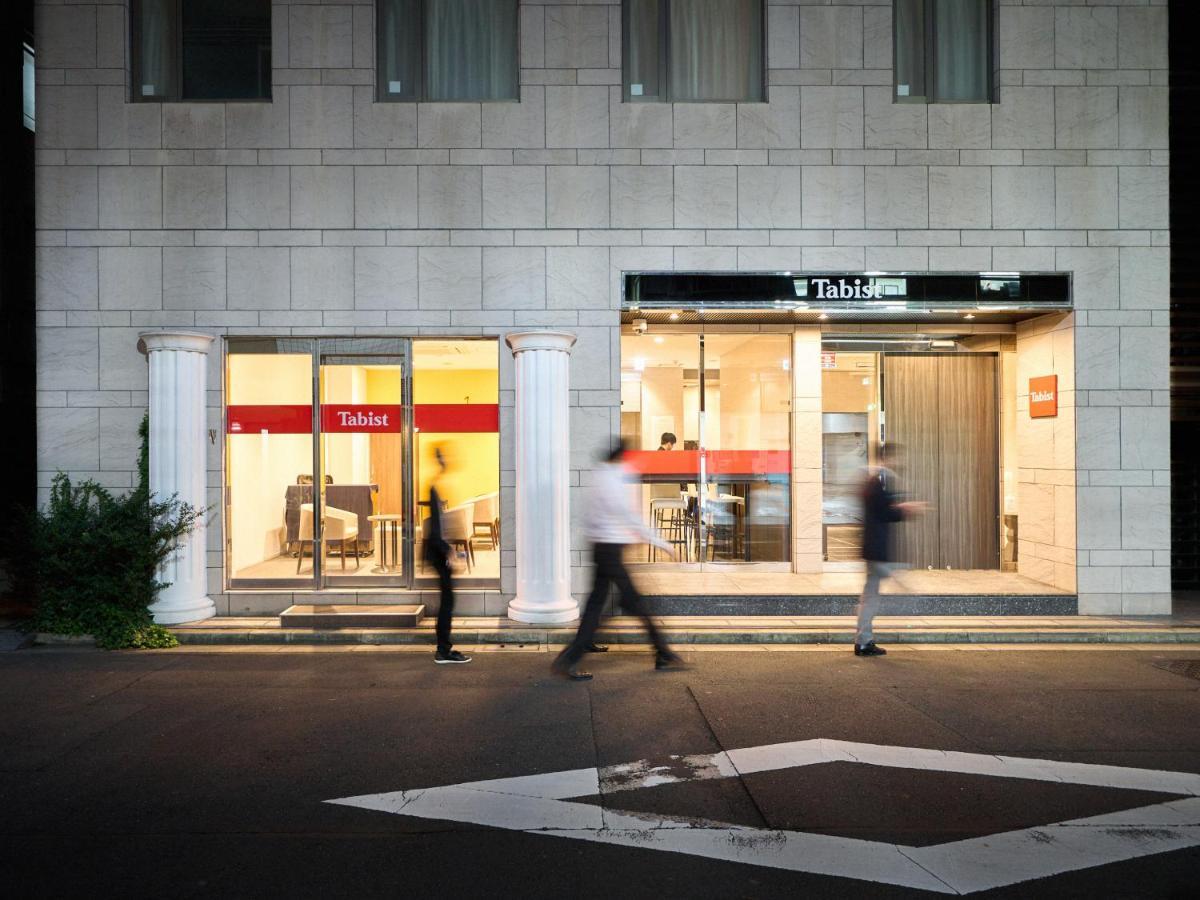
543,424
178,463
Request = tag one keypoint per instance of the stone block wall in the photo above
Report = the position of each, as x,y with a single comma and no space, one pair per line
325,212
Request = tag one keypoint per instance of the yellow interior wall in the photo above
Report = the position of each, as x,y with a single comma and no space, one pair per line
473,459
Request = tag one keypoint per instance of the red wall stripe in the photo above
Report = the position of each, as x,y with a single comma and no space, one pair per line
686,463
441,418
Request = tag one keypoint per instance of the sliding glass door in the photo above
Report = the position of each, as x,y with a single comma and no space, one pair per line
709,416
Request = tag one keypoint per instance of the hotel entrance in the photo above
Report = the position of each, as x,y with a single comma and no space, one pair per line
330,452
709,416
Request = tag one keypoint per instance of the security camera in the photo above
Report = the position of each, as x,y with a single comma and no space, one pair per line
639,326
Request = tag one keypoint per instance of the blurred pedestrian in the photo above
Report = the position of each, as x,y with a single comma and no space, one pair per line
613,523
881,510
437,552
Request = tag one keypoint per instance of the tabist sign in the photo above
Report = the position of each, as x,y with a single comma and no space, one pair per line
1043,397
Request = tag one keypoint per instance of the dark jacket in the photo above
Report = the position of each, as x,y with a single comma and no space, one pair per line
880,510
434,545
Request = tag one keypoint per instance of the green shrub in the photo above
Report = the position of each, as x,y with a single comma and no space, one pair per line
96,558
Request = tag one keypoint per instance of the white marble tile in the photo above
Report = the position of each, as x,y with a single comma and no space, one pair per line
706,196
125,124
1026,37
1145,518
66,116
449,124
1085,117
450,196
831,116
1145,277
577,116
66,36
960,126
514,277
193,125
577,277
319,37
67,439
1142,117
578,196
130,278
67,278
66,196
1085,37
67,359
193,278
260,125
517,125
1145,437
783,37
258,278
514,197
131,197
193,196
833,197
576,37
259,197
322,278
960,197
771,126
1143,351
897,197
890,126
642,197
649,125
322,196
385,196
322,115
705,125
769,197
1099,517
385,278
1096,275
383,125
1098,436
831,37
1024,118
1142,38
1144,197
1097,358
450,277
1022,197
1086,197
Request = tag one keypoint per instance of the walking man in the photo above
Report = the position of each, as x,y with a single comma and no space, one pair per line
437,553
613,524
881,510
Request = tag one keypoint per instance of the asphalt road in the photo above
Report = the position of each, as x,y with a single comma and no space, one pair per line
207,775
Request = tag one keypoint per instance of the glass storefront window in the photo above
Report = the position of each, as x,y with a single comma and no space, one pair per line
268,450
711,418
353,514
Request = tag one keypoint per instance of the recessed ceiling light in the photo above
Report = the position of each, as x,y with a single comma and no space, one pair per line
658,339
674,317
969,316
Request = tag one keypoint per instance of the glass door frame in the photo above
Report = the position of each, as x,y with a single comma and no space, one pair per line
362,351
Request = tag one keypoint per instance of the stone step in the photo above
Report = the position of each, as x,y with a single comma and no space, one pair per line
337,616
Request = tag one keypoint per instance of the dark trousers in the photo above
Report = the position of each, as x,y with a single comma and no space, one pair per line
441,565
610,570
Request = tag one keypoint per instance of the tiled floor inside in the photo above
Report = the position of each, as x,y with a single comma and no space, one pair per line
731,580
485,564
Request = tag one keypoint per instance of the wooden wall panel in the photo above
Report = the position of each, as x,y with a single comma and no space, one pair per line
910,392
968,462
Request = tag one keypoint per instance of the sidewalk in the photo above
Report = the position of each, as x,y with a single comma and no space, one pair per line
1182,628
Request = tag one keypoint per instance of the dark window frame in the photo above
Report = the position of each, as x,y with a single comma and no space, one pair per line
176,94
930,58
418,95
664,59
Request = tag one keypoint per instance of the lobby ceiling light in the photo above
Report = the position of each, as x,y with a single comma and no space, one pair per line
658,339
969,316
674,317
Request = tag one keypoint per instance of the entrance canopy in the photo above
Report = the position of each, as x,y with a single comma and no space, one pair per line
752,298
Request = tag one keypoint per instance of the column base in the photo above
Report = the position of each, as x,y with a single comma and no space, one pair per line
188,611
540,613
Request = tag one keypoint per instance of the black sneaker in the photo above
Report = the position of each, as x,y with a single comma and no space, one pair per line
869,649
669,660
595,648
568,671
452,656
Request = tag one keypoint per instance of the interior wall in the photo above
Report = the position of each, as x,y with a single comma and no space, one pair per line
260,467
1046,454
473,460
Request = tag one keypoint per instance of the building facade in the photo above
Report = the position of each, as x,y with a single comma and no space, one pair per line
385,269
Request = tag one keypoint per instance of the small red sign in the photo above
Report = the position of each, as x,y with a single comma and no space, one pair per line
360,418
828,359
1043,397
364,418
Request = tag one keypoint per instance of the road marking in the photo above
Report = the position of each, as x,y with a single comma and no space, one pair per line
540,804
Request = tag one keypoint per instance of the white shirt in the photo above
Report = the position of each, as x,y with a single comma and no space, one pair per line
612,515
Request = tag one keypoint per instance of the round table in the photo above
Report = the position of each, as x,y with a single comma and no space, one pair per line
389,526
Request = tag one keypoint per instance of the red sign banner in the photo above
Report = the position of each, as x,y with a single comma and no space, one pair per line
364,418
686,463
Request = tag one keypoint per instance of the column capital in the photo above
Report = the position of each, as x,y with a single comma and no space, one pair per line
191,341
520,341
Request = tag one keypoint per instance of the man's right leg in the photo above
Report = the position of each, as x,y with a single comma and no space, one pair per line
590,619
868,604
446,603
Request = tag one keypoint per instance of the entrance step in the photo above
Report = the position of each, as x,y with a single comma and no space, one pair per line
338,615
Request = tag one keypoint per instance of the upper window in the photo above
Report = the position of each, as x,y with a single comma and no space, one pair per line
693,50
944,51
28,91
201,49
447,50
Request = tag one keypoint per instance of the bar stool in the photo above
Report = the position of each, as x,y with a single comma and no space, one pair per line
668,516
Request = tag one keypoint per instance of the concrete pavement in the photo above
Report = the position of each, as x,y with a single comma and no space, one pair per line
208,774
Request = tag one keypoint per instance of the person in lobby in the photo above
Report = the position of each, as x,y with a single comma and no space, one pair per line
667,441
613,523
882,509
437,551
